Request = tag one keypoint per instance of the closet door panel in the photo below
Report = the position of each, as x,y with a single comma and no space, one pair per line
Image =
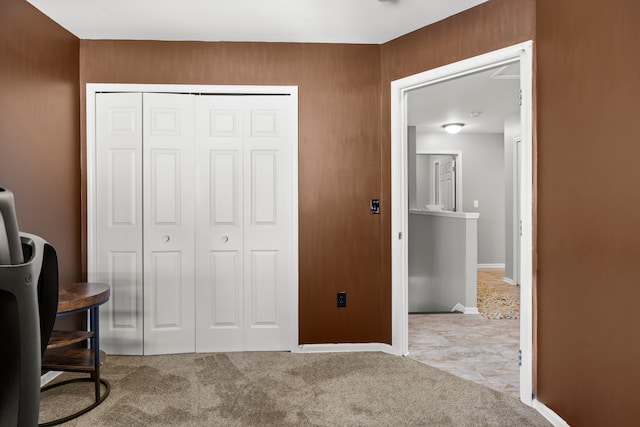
169,225
219,216
165,186
122,171
119,219
164,276
224,285
268,197
264,288
123,311
264,186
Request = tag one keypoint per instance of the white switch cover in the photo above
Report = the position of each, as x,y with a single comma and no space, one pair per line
475,203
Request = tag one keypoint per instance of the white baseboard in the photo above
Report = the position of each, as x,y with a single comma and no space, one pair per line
48,377
491,265
464,310
508,280
551,416
343,348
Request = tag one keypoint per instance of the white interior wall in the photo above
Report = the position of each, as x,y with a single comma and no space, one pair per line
423,180
482,180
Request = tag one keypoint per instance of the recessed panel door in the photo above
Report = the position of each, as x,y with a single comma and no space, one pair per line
119,219
168,194
268,234
245,289
447,183
219,223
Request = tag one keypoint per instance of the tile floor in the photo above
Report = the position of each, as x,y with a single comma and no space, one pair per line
469,346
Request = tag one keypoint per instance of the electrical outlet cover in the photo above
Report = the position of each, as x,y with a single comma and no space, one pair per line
342,299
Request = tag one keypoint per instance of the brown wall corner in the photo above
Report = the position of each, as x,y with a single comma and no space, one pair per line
39,128
39,132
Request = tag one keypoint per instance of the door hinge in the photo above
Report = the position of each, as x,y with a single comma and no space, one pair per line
400,235
520,97
519,357
520,228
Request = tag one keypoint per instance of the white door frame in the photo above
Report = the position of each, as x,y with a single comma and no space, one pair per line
399,194
93,88
515,229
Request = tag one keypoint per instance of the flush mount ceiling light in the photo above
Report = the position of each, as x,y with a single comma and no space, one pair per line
453,128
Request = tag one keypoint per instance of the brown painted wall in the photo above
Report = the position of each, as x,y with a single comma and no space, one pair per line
40,128
589,210
339,159
588,226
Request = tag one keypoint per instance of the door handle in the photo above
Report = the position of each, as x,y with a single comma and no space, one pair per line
166,238
224,239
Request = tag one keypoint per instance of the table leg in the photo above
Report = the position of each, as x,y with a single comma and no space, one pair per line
95,325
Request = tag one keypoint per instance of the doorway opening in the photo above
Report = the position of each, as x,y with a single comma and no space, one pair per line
400,90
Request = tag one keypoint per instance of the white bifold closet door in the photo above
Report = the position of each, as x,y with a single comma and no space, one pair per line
243,217
169,231
118,220
194,222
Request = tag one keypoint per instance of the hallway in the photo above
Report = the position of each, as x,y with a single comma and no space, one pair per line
470,346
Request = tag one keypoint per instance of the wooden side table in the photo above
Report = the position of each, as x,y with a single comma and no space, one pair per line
75,298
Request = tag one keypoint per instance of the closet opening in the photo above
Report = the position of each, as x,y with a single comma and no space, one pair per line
192,216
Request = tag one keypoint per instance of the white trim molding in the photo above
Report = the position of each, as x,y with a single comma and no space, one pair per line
465,310
549,414
345,348
491,265
48,377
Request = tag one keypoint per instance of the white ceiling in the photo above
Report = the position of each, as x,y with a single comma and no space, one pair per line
493,93
313,21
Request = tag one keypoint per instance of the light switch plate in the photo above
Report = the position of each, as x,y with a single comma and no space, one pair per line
374,206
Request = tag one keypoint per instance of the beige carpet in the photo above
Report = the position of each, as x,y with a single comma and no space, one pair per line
285,389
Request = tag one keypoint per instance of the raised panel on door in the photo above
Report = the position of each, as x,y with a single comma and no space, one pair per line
270,285
264,187
169,223
264,289
166,293
219,218
119,219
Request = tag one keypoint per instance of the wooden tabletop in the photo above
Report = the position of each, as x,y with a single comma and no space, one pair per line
76,296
